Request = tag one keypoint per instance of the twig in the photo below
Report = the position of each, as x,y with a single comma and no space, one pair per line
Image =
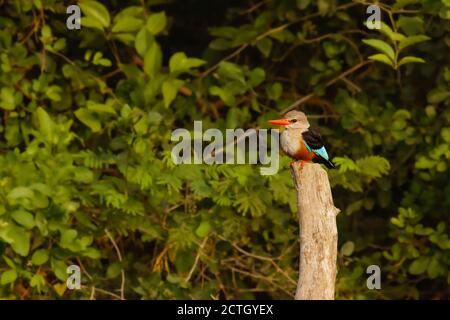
202,245
84,269
271,260
240,138
257,276
119,255
97,79
268,33
103,291
230,56
298,102
254,7
244,251
329,83
92,297
351,84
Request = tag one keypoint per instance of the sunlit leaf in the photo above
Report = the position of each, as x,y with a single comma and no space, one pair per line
96,11
381,46
409,41
381,57
410,59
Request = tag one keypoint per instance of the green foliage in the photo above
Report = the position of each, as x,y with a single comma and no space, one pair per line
86,175
390,54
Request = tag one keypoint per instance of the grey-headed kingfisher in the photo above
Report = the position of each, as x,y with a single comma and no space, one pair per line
301,142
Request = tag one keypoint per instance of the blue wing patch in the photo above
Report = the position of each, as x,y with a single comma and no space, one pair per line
322,152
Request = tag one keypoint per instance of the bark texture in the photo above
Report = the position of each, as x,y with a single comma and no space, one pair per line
318,233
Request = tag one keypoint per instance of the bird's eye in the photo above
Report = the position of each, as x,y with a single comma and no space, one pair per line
293,120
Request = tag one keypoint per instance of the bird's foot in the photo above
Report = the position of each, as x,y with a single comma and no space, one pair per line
300,163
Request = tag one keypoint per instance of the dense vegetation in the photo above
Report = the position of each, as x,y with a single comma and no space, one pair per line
86,175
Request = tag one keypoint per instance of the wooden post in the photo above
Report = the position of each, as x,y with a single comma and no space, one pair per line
318,233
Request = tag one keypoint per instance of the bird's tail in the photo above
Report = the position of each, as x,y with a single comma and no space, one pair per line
326,162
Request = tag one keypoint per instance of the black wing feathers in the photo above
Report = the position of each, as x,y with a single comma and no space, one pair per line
313,138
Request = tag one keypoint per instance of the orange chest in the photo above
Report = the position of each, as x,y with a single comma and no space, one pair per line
303,153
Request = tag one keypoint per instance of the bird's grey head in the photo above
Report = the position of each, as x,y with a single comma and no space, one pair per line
297,120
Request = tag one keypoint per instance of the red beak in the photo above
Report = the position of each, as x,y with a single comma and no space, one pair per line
281,122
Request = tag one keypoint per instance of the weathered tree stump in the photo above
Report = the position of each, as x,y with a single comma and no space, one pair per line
318,233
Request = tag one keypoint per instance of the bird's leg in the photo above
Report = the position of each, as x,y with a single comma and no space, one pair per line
300,163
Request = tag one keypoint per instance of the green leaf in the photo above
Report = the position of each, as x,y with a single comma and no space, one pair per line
393,36
156,22
59,268
381,57
92,253
39,257
346,164
256,77
220,44
419,266
46,124
400,4
37,281
170,90
153,60
203,229
114,270
19,239
231,71
410,25
325,7
126,38
224,32
38,4
302,4
68,237
100,107
435,269
20,192
9,262
348,248
274,91
437,95
410,59
54,93
373,166
90,22
46,33
131,11
23,218
381,46
83,175
265,46
96,11
409,41
424,163
8,277
7,99
99,60
445,133
89,119
143,41
127,24
179,62
224,94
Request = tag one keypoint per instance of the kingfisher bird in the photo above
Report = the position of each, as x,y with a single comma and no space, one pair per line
301,142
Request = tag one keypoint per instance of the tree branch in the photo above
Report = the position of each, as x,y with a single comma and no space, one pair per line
318,233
